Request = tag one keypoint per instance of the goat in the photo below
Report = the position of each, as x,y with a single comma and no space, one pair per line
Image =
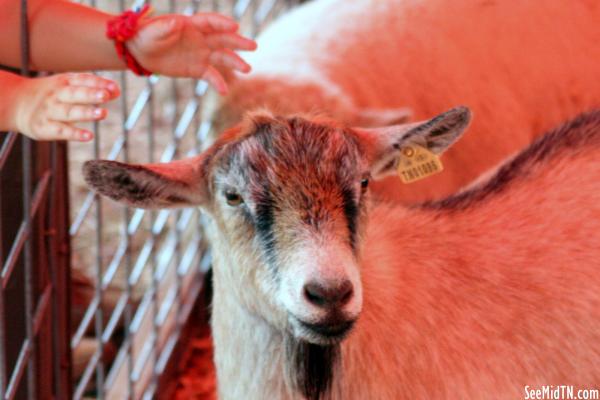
320,292
365,62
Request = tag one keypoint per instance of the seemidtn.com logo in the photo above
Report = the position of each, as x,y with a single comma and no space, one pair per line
560,392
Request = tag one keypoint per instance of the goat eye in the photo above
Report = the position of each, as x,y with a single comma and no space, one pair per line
364,183
233,199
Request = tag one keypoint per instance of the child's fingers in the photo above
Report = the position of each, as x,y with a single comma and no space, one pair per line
91,80
158,28
82,95
228,59
230,41
61,131
213,22
94,81
212,76
75,113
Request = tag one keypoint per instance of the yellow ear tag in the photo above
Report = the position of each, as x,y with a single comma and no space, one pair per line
416,163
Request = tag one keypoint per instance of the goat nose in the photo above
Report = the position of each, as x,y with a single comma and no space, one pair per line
328,296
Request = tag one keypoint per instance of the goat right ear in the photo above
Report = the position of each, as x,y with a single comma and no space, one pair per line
166,185
383,145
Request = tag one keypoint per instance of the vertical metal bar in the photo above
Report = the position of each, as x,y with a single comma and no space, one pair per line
52,272
99,314
154,283
3,377
255,24
6,148
198,122
58,245
176,213
98,292
29,274
128,313
174,90
28,248
128,259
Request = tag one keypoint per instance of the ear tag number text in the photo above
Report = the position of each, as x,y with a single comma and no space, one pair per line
416,163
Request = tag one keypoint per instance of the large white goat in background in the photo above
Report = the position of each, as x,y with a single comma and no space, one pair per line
522,67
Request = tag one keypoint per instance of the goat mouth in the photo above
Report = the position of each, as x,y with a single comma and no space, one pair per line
325,333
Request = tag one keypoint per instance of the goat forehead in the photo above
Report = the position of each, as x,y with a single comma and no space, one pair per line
304,165
296,155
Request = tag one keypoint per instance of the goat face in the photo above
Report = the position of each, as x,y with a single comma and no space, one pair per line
288,198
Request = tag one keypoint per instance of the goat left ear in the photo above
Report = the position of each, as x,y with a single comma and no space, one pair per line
175,184
383,145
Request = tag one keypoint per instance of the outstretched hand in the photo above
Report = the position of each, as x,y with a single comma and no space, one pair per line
46,108
190,46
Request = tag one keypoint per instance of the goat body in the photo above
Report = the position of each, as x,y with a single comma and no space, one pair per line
522,67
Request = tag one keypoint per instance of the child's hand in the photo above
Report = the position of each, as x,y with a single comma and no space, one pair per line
178,45
46,108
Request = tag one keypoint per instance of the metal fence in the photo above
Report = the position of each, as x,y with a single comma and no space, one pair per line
148,266
34,259
135,274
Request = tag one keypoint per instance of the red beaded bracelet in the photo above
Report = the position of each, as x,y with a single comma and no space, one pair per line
122,28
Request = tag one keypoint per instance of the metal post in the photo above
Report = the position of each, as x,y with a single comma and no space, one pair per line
128,314
28,247
98,293
5,150
52,272
154,283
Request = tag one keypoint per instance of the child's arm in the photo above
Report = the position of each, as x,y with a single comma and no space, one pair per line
65,36
46,108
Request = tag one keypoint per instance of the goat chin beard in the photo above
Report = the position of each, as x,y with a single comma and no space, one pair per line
310,367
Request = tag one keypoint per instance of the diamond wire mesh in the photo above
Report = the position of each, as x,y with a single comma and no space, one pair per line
139,271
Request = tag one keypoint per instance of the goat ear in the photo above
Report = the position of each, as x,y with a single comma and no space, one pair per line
175,184
383,145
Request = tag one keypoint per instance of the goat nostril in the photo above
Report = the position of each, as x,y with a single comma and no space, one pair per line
315,294
324,296
345,292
